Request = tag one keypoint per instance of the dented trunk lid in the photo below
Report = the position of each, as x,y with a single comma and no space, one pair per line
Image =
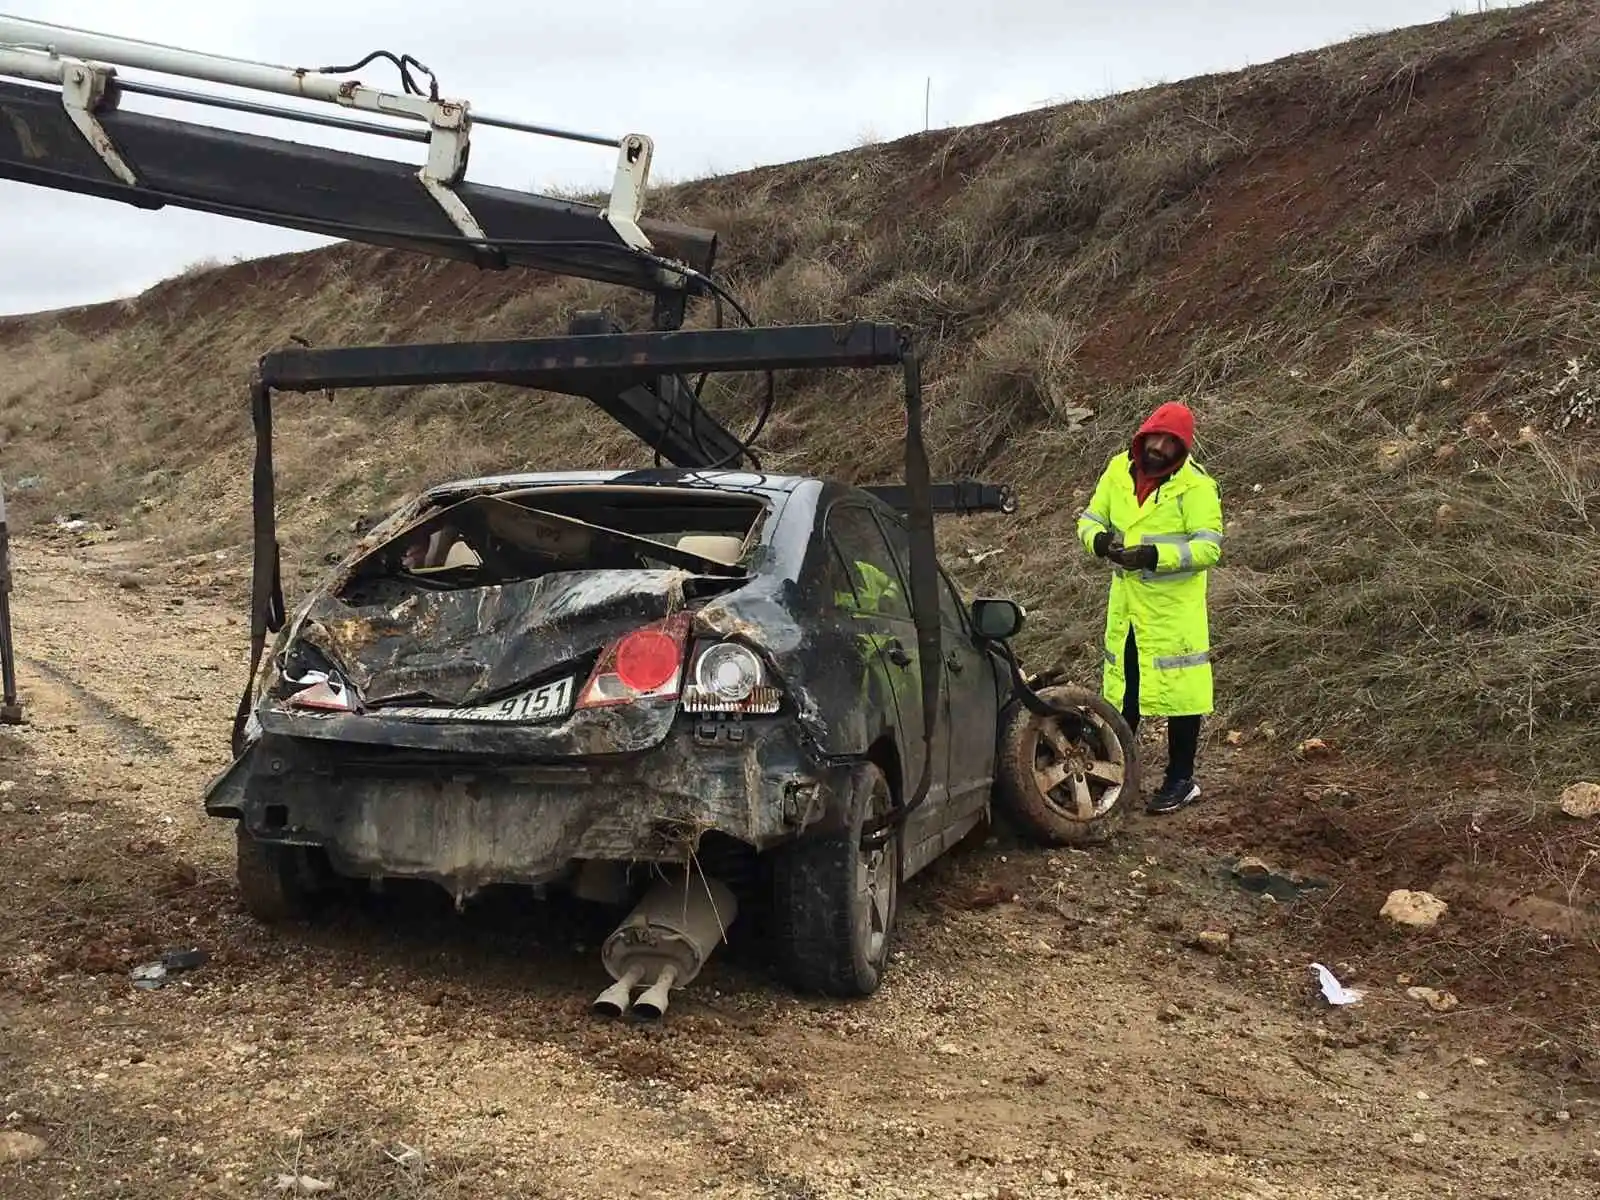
416,659
464,646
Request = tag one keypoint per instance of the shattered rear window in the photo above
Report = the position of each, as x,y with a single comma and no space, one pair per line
493,539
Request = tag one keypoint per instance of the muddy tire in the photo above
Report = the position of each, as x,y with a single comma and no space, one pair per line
1067,781
834,904
276,883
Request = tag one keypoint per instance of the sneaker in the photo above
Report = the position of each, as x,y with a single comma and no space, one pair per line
1174,794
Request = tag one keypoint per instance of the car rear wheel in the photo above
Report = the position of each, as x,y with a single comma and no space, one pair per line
835,902
1067,780
277,883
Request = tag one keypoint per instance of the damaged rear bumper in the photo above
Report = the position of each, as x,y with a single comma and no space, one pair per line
467,823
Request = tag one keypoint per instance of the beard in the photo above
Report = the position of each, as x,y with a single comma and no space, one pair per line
1155,462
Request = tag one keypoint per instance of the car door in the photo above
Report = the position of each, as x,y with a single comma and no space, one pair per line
880,611
974,700
937,819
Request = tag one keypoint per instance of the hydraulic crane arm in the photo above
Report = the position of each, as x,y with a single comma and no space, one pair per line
74,135
62,126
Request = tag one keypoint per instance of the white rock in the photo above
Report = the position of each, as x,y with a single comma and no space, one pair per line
1581,800
21,1147
1433,998
1420,910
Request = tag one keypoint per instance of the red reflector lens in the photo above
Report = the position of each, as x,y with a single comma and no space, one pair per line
647,659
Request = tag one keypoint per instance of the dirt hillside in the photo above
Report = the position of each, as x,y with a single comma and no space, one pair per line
1371,271
1368,269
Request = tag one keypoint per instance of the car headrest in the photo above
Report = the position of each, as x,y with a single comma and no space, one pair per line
722,548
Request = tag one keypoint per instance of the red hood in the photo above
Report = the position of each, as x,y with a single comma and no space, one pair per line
1172,418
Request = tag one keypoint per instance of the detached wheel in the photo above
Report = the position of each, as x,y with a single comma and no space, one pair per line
1067,780
834,903
277,883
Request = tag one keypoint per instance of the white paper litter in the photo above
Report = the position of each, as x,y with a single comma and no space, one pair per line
1334,991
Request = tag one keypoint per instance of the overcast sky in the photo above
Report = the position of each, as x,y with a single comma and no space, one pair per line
719,84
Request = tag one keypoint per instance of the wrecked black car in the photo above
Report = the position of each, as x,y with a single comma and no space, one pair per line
579,681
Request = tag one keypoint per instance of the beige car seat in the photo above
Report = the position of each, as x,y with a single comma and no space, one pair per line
722,548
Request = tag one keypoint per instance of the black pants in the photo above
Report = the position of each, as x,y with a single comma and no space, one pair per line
1183,733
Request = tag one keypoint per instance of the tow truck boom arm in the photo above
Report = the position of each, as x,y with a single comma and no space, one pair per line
80,139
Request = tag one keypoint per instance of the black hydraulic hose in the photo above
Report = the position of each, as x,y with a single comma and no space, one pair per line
1031,700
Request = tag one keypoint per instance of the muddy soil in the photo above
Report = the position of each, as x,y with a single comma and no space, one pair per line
1048,1030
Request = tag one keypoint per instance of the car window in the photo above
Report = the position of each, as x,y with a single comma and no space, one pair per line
878,584
952,612
837,582
952,608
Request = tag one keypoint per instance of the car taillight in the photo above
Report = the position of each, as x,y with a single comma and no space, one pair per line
646,664
729,678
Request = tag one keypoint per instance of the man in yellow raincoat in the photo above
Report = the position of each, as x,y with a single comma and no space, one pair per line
1156,518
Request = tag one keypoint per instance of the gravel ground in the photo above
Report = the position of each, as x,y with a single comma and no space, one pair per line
1047,1030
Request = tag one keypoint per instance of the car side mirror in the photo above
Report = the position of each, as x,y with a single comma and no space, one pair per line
997,620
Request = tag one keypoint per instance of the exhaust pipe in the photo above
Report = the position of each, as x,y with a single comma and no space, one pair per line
654,1000
614,1001
666,939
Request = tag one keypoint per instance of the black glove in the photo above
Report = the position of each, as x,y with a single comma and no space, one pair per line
1102,542
1136,558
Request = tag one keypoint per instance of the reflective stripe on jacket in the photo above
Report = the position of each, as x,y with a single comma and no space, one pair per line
1167,606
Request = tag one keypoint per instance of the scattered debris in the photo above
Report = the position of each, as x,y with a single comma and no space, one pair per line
185,960
1419,910
1581,800
1254,875
1211,941
303,1185
1433,998
1332,990
21,1147
987,896
150,976
408,1157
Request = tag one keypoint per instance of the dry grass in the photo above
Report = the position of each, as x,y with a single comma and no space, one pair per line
1537,181
1393,572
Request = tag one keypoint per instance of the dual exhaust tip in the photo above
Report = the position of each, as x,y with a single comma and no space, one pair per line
652,1002
666,939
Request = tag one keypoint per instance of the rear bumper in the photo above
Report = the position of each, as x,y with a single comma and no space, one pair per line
467,824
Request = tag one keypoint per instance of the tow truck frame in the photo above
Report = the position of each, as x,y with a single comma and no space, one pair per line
74,134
